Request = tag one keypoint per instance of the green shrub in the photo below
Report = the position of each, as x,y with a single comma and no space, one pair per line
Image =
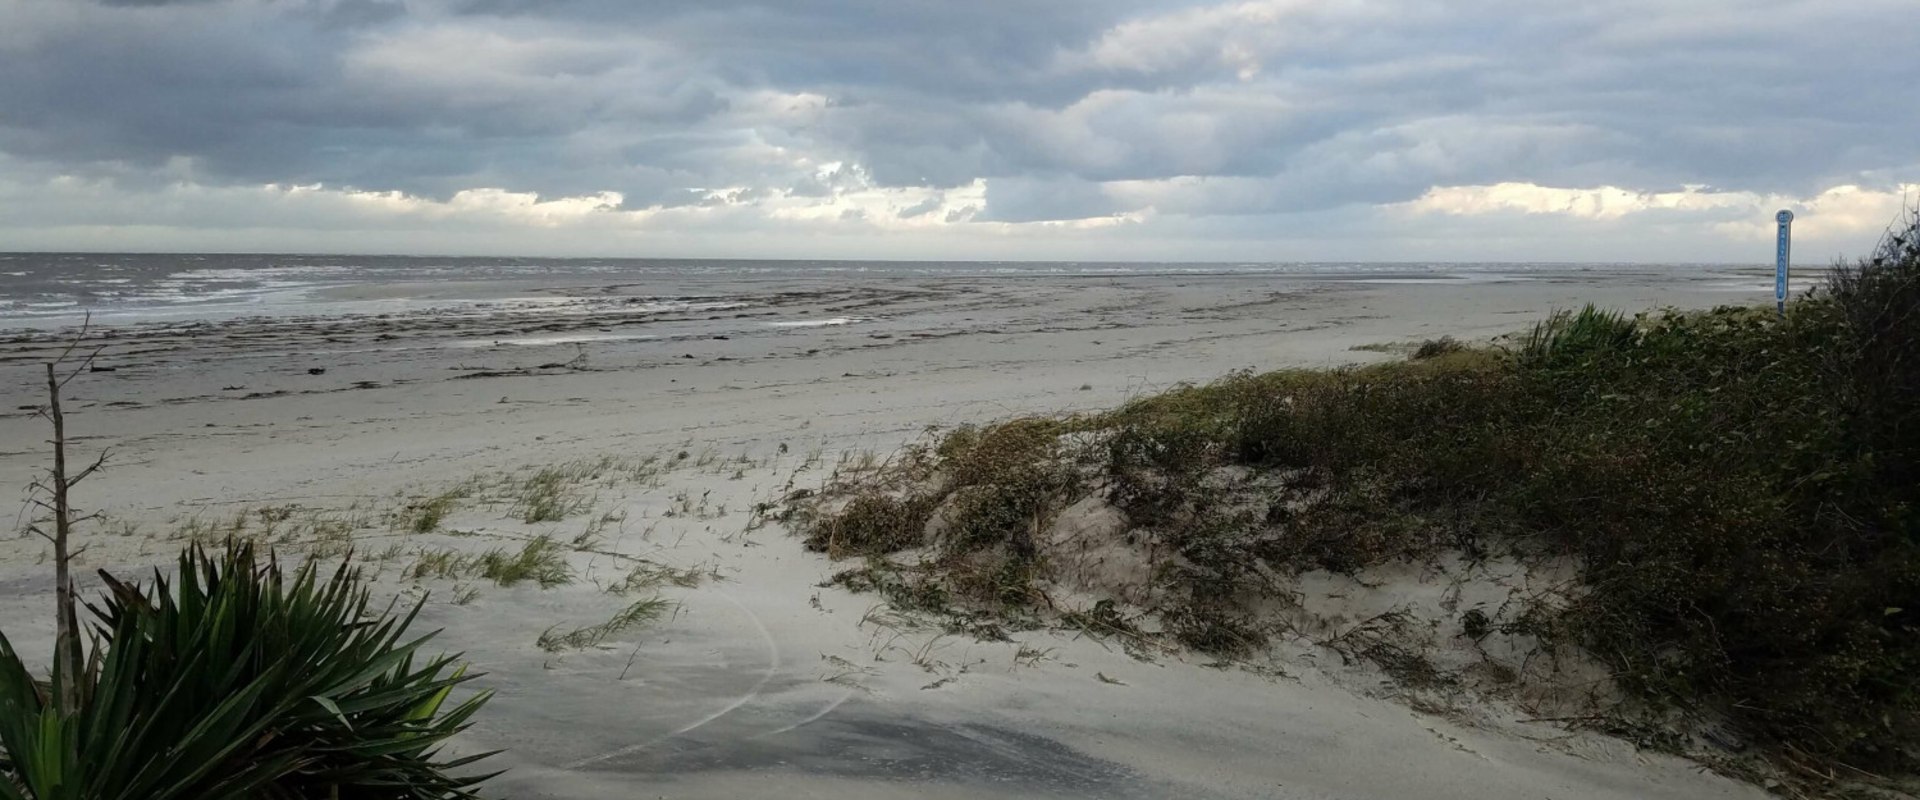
242,683
872,524
984,457
1873,304
1742,490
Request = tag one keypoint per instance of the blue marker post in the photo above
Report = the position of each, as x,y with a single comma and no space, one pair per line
1783,256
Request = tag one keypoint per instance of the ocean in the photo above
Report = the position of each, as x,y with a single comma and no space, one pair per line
55,290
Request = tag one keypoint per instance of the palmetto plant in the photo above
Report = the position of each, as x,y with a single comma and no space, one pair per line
242,682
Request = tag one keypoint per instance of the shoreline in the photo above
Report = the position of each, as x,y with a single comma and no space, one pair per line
914,353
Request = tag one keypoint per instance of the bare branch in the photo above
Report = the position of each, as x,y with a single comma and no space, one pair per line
83,365
85,323
91,468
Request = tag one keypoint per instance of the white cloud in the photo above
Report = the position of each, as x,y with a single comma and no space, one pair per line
69,212
1605,202
1839,211
1842,211
484,204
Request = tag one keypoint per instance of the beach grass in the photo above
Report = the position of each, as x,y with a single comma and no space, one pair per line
548,495
542,560
641,612
649,575
425,515
1740,489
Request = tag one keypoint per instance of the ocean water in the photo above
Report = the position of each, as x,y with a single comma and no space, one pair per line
52,290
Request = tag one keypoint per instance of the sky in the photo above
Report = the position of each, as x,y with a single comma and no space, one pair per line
1259,130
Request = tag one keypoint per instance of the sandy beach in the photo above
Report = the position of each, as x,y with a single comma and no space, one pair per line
691,417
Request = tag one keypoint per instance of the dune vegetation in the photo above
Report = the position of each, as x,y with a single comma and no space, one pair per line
1740,492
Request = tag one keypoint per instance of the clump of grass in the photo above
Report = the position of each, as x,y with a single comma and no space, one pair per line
1380,640
1435,348
903,593
643,612
541,560
978,482
439,563
872,523
975,499
315,532
426,514
1592,332
649,575
548,495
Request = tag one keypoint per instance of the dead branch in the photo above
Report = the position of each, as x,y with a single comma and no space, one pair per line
99,462
83,365
85,323
66,641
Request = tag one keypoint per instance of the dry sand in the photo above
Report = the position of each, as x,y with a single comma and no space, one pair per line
764,684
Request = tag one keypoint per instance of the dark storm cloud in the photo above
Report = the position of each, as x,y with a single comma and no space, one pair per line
981,50
1067,109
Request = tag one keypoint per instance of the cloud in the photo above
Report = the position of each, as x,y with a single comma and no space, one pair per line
1835,212
1237,38
1099,123
1606,202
